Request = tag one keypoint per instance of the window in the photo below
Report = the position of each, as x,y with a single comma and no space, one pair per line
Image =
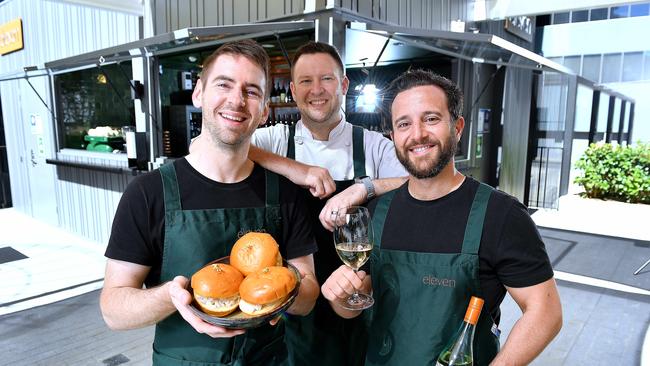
579,16
591,67
598,14
572,62
561,18
632,66
619,12
603,110
91,98
611,68
616,115
639,10
646,66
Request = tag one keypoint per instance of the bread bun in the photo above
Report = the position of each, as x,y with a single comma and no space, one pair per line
255,251
216,288
263,291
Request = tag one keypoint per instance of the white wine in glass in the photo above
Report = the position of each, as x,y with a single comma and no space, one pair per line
353,240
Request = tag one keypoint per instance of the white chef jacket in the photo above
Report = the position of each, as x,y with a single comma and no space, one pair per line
335,154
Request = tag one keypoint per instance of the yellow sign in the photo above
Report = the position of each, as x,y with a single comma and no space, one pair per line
11,36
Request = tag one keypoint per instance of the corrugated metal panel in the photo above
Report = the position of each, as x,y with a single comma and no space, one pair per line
425,14
52,30
171,15
90,197
15,139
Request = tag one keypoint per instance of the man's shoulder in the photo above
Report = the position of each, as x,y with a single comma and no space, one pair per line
276,131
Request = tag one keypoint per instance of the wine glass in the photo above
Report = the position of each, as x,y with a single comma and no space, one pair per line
353,240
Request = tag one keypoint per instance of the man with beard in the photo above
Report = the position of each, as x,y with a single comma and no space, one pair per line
174,220
442,238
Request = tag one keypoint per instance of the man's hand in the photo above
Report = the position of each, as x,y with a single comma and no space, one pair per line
319,181
354,195
341,284
181,299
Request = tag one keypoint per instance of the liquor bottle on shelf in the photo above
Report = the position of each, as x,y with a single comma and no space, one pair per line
289,95
460,350
283,94
275,93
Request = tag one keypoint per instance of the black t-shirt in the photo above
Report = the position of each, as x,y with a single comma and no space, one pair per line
511,253
138,231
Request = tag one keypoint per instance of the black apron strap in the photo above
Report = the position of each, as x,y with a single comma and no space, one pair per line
474,227
358,153
379,216
170,188
291,148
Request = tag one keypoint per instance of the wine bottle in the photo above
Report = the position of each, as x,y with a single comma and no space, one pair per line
283,94
460,350
289,95
275,93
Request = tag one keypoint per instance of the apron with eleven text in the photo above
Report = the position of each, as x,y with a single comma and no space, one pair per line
421,298
192,239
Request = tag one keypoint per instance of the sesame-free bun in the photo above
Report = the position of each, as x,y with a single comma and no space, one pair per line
216,288
255,251
263,291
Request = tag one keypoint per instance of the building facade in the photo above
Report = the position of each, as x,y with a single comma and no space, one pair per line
137,70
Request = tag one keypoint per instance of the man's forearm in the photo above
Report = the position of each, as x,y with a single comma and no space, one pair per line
289,168
539,324
383,185
527,339
130,308
306,299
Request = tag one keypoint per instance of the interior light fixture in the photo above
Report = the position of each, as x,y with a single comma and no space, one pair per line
367,100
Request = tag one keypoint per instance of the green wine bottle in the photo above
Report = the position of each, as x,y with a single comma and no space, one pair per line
460,351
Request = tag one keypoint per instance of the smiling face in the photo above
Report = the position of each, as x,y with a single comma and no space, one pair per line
318,86
425,137
231,95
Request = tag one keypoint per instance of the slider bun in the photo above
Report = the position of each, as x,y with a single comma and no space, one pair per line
217,307
267,286
255,251
217,280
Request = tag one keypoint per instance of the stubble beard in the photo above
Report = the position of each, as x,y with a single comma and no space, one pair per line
435,166
311,117
222,137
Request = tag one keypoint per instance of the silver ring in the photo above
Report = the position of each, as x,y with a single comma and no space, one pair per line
334,212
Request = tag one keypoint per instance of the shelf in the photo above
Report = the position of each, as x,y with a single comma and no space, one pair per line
283,105
100,168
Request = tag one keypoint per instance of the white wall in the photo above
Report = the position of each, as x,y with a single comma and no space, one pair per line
602,36
501,9
640,91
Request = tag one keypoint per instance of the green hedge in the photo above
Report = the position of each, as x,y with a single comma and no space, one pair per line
615,172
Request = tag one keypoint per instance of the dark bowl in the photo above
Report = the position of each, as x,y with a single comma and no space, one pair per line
239,319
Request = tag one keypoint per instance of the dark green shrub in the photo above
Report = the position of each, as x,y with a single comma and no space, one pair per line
615,172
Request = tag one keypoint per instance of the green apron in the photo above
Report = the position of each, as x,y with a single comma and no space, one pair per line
192,239
421,298
322,337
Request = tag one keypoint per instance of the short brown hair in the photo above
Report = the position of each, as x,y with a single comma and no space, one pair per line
311,48
414,78
245,48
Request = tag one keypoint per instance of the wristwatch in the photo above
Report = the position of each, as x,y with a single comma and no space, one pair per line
367,182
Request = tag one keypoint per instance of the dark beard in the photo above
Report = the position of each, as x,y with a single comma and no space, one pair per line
429,172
